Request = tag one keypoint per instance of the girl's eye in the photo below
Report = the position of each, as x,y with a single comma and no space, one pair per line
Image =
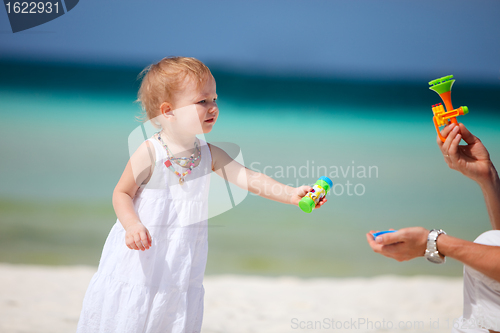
202,101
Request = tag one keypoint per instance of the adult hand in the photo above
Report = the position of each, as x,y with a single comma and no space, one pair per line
472,160
402,245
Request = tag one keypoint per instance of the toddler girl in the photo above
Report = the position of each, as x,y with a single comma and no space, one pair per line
151,271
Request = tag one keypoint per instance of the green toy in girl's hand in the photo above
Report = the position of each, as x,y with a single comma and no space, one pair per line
320,189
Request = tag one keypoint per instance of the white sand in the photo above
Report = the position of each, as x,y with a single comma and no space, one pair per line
39,299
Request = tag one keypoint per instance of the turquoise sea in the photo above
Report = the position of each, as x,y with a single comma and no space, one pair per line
64,133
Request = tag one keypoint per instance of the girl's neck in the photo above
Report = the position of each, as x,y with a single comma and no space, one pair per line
177,143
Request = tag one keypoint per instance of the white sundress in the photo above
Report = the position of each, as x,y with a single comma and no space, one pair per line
481,296
159,289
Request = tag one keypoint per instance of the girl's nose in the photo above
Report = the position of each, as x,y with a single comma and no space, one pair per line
213,108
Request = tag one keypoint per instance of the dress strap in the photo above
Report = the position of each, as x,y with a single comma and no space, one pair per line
207,154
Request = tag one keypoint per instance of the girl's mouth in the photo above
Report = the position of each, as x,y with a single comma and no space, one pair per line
210,120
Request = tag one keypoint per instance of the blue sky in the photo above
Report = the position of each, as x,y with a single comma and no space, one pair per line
366,39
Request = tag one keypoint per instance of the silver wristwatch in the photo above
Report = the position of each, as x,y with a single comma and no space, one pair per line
431,253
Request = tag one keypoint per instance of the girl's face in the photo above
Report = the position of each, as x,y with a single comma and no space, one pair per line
205,110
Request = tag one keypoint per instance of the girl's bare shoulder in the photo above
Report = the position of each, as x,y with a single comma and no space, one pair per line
143,161
146,153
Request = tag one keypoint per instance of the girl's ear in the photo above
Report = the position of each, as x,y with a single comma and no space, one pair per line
166,110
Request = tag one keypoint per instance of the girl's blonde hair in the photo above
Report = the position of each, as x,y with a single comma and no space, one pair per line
162,80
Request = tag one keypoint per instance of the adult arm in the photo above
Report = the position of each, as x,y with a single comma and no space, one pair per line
483,258
410,243
256,182
473,160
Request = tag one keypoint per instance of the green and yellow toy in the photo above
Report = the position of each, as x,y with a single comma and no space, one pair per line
444,117
319,190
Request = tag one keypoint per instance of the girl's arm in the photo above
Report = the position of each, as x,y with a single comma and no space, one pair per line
255,182
138,170
473,161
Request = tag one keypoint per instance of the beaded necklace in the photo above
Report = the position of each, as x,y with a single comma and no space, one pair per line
188,162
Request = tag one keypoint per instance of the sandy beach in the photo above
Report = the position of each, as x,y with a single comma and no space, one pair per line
44,299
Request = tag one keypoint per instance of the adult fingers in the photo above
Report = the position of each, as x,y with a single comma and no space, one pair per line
390,238
467,135
439,142
370,239
444,134
449,139
447,130
375,247
453,151
391,250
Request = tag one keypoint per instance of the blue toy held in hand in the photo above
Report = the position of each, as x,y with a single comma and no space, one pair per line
382,232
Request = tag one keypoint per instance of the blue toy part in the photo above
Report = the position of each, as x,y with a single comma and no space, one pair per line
326,180
382,232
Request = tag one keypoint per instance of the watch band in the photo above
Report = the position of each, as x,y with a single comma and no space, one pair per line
431,253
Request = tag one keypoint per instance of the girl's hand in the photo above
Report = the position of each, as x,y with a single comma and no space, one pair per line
472,160
299,192
137,237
